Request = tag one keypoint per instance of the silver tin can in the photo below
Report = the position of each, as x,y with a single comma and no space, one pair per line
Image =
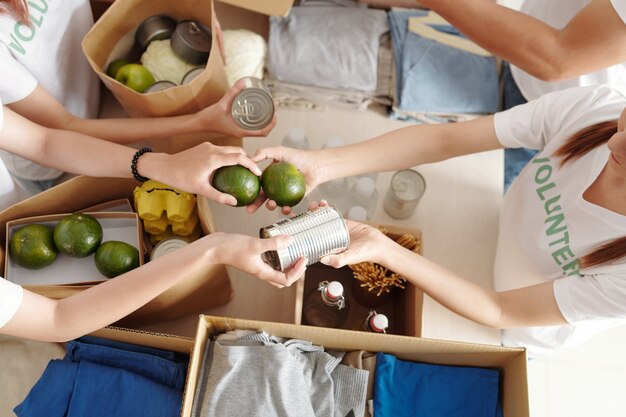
405,190
166,246
253,107
191,41
154,28
316,234
159,86
192,74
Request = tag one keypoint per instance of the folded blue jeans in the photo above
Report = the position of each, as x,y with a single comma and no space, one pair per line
412,389
102,378
435,77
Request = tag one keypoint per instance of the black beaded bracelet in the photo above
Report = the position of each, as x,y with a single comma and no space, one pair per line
133,164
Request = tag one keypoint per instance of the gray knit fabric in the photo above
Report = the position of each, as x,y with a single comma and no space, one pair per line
254,374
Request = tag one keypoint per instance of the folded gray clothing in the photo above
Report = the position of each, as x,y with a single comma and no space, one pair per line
330,47
265,378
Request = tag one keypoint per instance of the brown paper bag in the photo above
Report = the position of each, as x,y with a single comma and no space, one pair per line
118,24
207,288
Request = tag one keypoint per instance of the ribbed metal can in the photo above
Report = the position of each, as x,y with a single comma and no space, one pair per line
316,234
159,86
166,246
192,74
253,107
154,28
191,41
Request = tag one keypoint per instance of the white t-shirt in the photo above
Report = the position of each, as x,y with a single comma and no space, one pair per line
9,192
557,13
48,52
10,294
546,225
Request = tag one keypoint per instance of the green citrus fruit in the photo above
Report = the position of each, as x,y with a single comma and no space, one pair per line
283,183
78,235
32,246
115,66
237,181
114,258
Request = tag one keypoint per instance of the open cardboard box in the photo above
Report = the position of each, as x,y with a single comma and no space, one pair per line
206,288
66,270
511,362
403,307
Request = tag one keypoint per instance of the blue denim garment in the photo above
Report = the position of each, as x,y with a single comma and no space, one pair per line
515,159
158,365
403,388
435,77
142,381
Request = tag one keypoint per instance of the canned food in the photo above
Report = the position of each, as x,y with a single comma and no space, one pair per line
166,246
192,74
154,28
405,190
253,107
159,86
191,41
316,234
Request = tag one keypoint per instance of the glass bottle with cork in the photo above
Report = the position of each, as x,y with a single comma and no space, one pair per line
325,306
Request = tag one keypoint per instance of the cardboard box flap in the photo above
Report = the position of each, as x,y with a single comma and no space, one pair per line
272,7
163,341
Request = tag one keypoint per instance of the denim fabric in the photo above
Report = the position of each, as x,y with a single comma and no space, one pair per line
160,366
515,159
410,389
438,78
99,378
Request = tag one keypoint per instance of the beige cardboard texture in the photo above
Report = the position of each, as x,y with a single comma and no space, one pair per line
271,7
510,361
206,288
169,342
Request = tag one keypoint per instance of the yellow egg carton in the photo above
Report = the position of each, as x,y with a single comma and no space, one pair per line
160,206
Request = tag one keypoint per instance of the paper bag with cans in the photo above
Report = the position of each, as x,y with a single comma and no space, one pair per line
183,30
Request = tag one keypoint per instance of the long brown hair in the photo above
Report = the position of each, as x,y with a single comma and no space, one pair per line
17,8
576,146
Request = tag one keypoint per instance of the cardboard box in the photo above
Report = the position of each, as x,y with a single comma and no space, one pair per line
66,270
511,362
403,307
206,288
179,344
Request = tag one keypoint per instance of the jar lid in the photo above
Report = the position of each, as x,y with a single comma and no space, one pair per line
166,246
159,86
379,322
192,74
357,213
154,28
191,41
365,186
334,289
297,135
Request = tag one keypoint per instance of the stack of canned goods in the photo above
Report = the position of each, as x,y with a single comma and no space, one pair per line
190,40
316,234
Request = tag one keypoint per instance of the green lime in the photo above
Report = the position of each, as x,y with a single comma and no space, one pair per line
283,183
78,235
115,66
32,246
114,258
237,181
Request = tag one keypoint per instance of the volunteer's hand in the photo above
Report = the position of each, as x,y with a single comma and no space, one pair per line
192,169
218,117
305,161
244,253
366,244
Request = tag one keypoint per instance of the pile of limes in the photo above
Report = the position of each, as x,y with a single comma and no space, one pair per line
78,235
280,181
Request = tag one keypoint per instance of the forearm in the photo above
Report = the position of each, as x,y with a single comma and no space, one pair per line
539,47
459,295
112,300
126,131
408,147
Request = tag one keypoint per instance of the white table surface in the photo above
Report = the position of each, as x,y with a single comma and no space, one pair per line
458,217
